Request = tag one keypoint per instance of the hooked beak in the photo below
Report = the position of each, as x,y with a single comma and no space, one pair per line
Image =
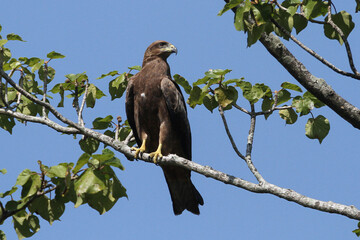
171,49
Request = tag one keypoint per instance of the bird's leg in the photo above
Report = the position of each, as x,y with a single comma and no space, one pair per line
157,154
140,149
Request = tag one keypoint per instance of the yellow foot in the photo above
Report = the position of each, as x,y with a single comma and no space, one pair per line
157,154
138,151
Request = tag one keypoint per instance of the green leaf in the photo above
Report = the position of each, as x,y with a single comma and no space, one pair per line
54,55
226,96
50,210
317,102
314,8
32,61
31,187
111,161
89,145
303,105
195,97
25,224
317,128
23,177
99,93
357,232
112,73
91,96
241,16
254,34
288,115
57,171
210,102
236,81
3,171
254,93
83,159
2,234
357,9
49,74
344,21
7,123
2,42
79,77
283,96
231,4
118,189
13,36
8,193
300,23
200,81
267,105
262,13
37,66
286,21
182,82
117,86
219,72
291,86
137,67
89,182
102,123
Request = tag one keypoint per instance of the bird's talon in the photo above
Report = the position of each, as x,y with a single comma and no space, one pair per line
138,151
156,156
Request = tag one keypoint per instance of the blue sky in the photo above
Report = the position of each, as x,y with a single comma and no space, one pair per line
113,35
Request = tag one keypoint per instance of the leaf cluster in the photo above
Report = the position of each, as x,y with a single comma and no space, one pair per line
257,17
214,91
45,194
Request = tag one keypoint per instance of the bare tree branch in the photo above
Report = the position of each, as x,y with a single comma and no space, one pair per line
80,118
233,144
128,138
45,88
347,45
44,121
317,56
240,108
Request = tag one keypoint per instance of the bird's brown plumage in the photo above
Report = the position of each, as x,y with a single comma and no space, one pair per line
156,112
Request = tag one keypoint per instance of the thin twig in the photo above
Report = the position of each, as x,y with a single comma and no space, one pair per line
44,121
128,138
249,145
41,103
221,111
80,117
240,108
45,89
347,45
313,53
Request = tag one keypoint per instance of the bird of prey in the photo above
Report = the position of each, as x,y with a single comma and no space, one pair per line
157,114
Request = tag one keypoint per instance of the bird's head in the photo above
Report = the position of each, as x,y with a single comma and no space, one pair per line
160,49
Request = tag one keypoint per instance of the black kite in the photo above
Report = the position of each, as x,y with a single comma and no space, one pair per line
156,112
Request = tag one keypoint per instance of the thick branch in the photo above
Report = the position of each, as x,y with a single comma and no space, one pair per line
317,86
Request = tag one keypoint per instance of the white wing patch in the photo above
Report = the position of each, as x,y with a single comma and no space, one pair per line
142,95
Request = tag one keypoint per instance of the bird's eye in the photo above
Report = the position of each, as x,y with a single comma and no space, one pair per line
162,44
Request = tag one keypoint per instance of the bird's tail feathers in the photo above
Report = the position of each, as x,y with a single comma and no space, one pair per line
183,193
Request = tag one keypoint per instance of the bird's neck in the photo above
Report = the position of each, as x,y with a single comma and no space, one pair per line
157,64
